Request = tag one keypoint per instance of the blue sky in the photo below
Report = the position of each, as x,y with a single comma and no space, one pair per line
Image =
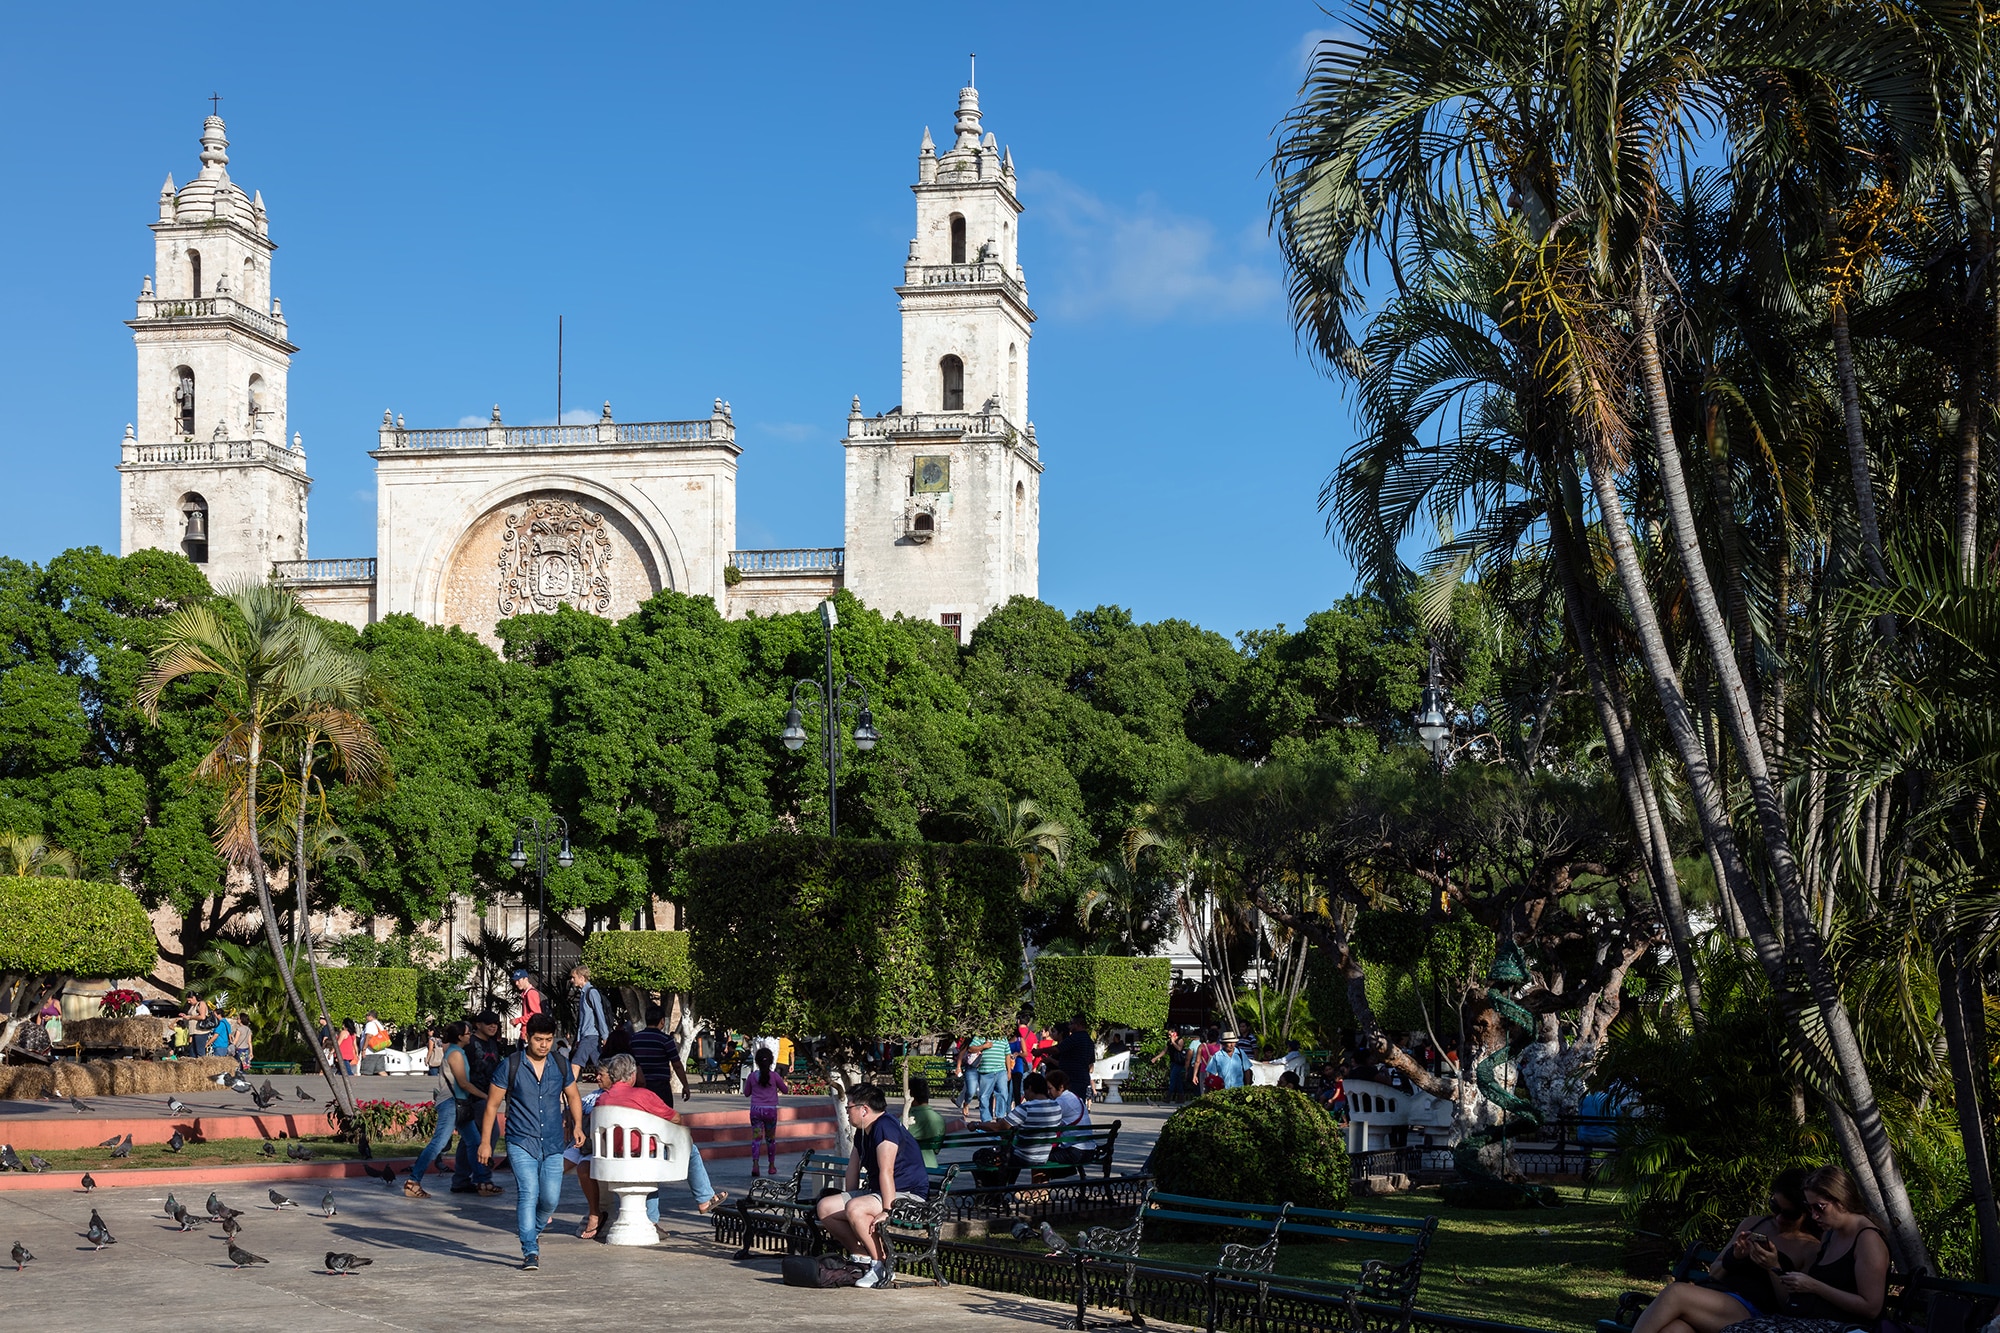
716,199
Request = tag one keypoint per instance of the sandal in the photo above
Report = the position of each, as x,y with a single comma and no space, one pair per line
712,1204
589,1229
487,1190
412,1190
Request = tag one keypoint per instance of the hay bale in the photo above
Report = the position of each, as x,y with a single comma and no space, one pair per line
111,1078
143,1033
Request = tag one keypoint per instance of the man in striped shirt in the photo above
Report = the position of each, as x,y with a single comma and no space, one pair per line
659,1056
1035,1125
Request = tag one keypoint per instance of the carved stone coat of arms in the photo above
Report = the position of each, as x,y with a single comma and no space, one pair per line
555,552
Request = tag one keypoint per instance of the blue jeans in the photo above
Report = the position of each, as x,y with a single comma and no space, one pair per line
537,1189
993,1095
447,1114
697,1185
974,1085
467,1169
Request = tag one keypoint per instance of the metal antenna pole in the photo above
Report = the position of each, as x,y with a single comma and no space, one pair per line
828,713
559,368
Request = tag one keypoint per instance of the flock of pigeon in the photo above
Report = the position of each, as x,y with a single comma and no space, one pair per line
220,1214
337,1261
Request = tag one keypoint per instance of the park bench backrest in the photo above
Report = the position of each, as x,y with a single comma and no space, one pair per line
1390,1281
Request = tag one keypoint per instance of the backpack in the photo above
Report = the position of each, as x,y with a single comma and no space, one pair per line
805,1270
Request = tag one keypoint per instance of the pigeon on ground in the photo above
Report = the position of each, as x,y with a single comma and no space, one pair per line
175,1106
242,1258
1055,1243
176,1143
21,1256
238,1084
88,1183
8,1161
298,1152
269,1149
230,1226
78,1104
338,1262
301,1093
113,1141
39,1163
188,1220
264,1100
99,1235
326,1205
124,1149
225,1214
280,1201
387,1175
172,1203
213,1203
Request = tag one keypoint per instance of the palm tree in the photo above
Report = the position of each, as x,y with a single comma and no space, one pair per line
1550,128
1137,903
1021,828
27,854
273,674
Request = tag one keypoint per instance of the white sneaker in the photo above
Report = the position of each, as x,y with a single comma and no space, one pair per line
877,1275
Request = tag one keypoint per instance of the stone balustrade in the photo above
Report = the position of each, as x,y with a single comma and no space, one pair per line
176,452
797,560
987,272
347,569
211,307
496,434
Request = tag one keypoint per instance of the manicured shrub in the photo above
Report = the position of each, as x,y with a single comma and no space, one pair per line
352,991
1109,991
1253,1145
853,939
643,959
66,927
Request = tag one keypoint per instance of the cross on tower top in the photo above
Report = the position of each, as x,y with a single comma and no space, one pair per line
215,104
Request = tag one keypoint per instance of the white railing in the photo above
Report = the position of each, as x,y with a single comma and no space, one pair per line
930,423
211,307
471,437
979,271
347,569
217,451
663,432
804,560
527,437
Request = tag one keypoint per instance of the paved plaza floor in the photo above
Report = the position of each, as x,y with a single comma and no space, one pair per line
438,1263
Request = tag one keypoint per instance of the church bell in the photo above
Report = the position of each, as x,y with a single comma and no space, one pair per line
197,528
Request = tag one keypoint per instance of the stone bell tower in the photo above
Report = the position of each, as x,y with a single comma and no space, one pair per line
206,467
944,491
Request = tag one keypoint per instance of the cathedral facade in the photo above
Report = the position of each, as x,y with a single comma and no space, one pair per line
476,524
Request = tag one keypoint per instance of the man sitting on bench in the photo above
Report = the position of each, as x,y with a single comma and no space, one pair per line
1035,1125
895,1165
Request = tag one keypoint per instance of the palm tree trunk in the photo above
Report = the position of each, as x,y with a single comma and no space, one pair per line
1628,760
1857,450
1906,1239
342,1096
1959,1016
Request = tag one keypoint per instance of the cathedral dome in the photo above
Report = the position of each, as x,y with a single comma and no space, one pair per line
211,194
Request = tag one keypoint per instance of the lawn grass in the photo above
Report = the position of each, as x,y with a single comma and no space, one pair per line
220,1152
1556,1268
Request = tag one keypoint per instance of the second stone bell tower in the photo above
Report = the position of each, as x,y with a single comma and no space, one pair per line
207,468
944,491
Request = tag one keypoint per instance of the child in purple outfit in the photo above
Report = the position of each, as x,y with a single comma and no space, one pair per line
763,1088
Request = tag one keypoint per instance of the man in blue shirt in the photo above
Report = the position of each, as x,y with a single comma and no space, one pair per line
1230,1064
536,1088
895,1165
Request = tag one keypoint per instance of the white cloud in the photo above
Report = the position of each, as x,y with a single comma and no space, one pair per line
472,421
1309,43
1145,262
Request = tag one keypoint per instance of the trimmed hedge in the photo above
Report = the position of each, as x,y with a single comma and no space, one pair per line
642,959
1110,992
1253,1145
855,940
72,928
352,991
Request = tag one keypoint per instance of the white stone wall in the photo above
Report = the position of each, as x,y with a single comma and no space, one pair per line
666,514
256,514
349,601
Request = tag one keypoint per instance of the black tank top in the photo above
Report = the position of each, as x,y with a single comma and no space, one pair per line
1840,1275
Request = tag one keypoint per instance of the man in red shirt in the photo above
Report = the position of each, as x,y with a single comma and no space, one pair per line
531,1002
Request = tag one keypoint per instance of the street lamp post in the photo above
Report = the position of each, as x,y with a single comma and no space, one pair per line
1433,724
541,832
833,705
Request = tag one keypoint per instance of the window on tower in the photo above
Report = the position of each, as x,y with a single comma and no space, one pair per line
951,371
256,406
184,399
957,238
194,271
955,622
194,528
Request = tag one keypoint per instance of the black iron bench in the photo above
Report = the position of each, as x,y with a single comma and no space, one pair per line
1073,1149
1391,1282
1923,1304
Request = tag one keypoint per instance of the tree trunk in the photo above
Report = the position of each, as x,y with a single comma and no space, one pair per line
1905,1237
1958,1020
1857,451
342,1096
